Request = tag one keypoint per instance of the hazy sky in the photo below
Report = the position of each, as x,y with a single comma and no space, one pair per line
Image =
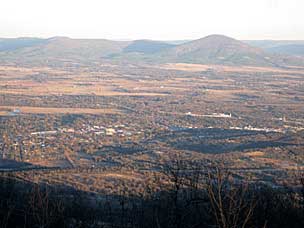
153,19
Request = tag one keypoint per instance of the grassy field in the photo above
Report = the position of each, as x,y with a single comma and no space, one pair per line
5,110
223,68
47,81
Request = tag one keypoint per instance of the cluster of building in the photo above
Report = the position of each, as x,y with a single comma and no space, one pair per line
213,115
119,130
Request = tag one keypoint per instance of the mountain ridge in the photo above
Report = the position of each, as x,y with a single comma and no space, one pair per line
212,49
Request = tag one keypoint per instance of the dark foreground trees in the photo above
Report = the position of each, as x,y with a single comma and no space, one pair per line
192,198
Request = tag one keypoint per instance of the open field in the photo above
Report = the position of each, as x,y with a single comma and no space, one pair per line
223,68
44,81
42,110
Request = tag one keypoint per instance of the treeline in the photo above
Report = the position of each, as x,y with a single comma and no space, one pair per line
192,198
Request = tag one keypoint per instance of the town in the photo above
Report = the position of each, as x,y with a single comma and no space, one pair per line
140,117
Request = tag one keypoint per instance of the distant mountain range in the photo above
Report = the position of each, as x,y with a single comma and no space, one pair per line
213,49
289,47
13,44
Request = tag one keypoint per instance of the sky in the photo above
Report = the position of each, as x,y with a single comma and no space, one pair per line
153,19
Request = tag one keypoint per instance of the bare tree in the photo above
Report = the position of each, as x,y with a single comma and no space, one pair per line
44,211
231,205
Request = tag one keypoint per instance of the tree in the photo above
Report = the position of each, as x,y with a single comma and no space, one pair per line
231,204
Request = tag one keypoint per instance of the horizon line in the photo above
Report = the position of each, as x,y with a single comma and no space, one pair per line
134,39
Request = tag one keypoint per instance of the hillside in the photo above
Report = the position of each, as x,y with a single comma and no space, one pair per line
218,49
213,49
63,48
147,46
